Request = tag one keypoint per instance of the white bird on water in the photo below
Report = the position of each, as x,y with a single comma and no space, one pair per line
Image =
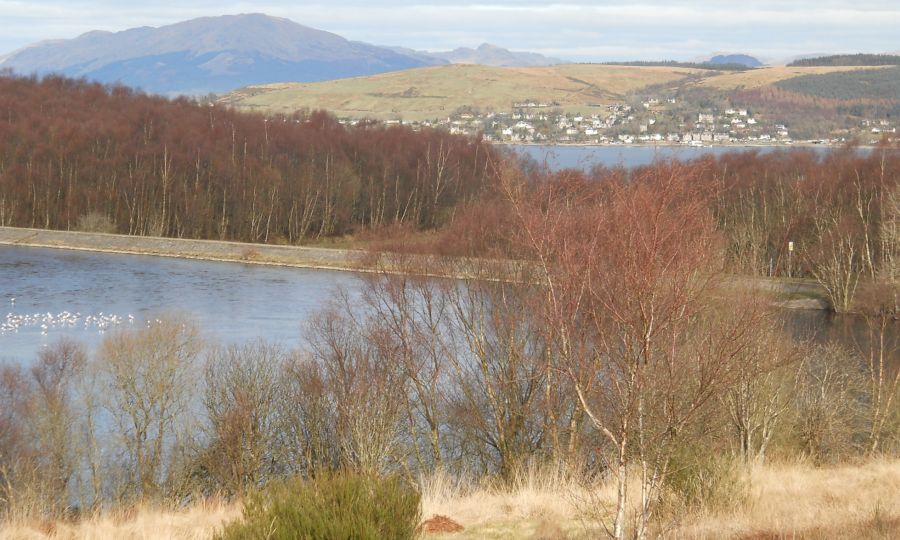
65,319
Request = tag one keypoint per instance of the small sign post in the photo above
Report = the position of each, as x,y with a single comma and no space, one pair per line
790,256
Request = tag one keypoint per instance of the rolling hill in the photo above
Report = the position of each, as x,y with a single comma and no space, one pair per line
438,91
767,76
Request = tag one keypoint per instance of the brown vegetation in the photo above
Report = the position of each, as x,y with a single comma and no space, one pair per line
75,155
592,340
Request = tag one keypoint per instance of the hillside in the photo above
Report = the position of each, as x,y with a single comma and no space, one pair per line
438,91
869,84
210,54
849,60
767,76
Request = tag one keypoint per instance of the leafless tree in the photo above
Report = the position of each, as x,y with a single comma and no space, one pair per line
241,399
148,377
628,273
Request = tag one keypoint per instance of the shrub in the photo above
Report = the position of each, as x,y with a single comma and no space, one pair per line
336,506
96,222
701,478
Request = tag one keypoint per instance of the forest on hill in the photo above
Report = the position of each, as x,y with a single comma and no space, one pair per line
849,60
78,155
870,84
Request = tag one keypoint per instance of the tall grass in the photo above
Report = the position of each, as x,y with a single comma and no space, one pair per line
792,500
199,522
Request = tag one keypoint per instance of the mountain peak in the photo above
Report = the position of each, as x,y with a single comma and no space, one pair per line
488,54
210,54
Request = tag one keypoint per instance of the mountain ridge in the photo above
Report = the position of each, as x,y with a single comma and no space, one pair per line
223,53
487,54
231,51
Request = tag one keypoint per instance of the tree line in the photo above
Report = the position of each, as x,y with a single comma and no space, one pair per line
79,155
860,59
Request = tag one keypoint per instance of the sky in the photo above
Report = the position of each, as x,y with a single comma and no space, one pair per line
577,30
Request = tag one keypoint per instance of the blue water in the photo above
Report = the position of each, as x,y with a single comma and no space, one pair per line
231,302
586,157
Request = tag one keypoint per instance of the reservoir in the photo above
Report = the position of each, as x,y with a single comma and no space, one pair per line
97,292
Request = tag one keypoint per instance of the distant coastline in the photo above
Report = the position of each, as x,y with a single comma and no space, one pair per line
803,144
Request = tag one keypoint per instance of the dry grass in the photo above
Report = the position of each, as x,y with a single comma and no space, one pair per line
786,501
800,501
545,504
756,78
195,523
435,92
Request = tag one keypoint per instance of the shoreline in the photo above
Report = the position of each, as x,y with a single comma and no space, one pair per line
811,295
737,146
333,259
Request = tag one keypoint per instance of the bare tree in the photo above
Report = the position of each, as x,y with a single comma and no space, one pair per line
53,420
148,376
364,389
763,391
878,346
498,372
628,274
411,314
890,236
242,391
829,405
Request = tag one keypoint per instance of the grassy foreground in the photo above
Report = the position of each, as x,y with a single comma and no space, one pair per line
784,501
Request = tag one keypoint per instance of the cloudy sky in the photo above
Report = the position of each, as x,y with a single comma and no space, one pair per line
578,30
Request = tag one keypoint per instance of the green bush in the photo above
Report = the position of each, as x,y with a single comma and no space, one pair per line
331,507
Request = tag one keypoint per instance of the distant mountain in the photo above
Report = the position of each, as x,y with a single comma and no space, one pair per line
423,56
742,59
210,54
491,55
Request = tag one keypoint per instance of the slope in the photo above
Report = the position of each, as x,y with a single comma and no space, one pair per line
438,91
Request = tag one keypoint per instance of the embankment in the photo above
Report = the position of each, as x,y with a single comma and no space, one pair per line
791,294
303,257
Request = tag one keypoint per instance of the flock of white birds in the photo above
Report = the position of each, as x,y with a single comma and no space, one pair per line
49,321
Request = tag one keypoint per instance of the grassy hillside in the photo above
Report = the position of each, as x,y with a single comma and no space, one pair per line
435,92
768,76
